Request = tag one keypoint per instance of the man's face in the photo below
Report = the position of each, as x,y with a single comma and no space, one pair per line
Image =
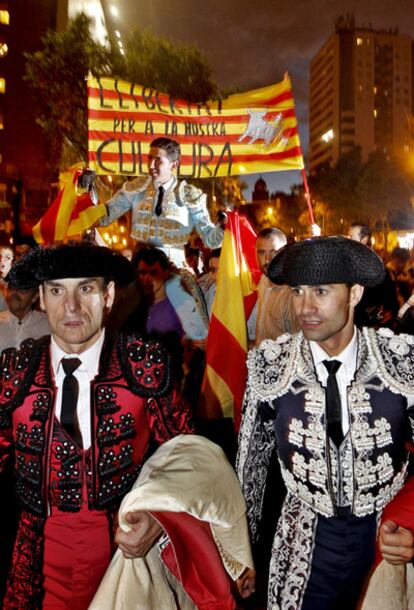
20,250
75,309
160,168
266,249
20,301
326,313
152,278
213,265
6,260
355,233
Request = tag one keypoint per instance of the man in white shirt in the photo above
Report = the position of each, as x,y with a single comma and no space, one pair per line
81,412
21,321
165,211
336,405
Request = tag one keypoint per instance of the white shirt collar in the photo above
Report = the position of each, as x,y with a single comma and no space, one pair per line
89,358
348,356
167,185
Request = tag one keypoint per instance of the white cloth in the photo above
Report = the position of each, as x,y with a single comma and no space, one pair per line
186,474
391,587
344,375
13,331
86,371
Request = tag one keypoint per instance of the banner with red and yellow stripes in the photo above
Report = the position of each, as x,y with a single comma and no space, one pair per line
245,133
238,273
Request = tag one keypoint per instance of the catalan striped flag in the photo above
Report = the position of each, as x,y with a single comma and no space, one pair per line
245,133
227,343
71,212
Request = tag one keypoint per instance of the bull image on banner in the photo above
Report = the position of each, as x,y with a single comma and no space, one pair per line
245,133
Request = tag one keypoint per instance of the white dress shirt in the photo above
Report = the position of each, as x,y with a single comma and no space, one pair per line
86,371
344,375
13,331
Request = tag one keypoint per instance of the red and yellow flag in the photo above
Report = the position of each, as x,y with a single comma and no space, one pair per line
227,344
71,213
246,133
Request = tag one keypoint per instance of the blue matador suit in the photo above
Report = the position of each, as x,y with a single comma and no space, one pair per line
285,409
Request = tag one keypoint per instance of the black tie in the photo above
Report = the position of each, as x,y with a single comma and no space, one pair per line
158,205
70,392
333,403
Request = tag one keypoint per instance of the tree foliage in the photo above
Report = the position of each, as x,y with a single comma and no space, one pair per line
375,192
57,74
180,70
57,78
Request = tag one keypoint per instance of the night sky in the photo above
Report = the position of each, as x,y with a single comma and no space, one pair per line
251,44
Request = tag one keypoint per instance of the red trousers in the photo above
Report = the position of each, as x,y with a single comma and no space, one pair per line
77,551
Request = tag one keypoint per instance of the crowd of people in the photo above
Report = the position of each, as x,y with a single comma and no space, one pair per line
101,446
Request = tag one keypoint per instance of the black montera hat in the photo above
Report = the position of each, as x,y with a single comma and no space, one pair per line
72,260
326,260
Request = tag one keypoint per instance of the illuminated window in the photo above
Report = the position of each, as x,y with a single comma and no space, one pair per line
359,41
5,17
375,90
375,113
3,49
328,135
2,85
1,121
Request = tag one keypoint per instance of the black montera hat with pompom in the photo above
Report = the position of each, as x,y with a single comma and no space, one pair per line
326,260
71,260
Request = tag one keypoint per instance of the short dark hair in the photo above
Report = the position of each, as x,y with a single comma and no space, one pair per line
5,243
364,230
402,253
272,232
150,256
171,147
27,240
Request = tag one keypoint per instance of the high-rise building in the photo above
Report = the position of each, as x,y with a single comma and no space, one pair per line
25,174
361,94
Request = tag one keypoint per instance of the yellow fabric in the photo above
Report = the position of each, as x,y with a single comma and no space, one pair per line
187,474
218,390
233,280
51,229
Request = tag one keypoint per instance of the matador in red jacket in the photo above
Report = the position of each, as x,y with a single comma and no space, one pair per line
73,467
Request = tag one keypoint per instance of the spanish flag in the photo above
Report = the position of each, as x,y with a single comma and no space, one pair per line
227,343
71,213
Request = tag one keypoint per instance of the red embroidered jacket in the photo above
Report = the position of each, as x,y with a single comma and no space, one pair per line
133,409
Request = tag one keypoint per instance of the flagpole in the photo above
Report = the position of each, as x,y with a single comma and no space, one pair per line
307,196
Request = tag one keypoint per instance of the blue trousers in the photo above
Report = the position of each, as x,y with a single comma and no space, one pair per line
343,554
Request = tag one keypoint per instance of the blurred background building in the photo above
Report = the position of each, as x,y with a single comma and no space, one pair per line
361,94
27,183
